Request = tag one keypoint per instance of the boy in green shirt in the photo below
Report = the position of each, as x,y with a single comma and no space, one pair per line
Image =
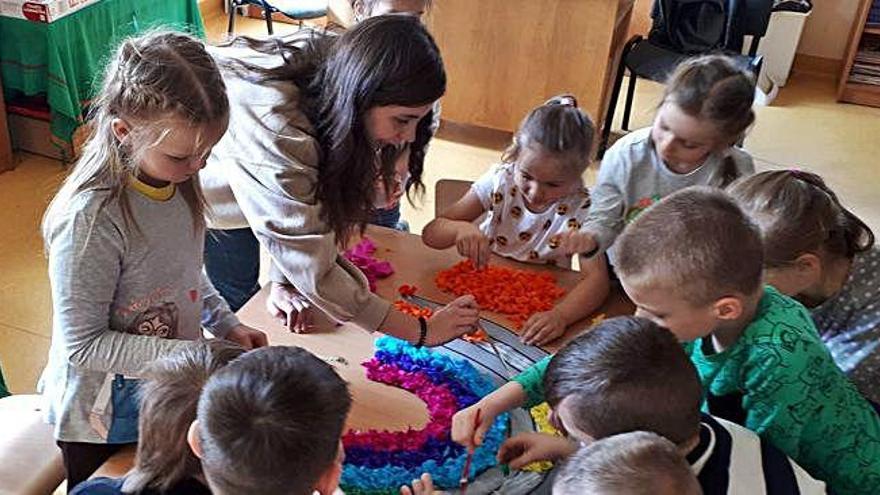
692,263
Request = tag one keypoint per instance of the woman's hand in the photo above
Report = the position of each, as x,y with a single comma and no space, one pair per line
473,244
247,337
289,307
451,321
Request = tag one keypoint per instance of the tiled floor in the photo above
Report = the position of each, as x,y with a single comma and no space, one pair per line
803,128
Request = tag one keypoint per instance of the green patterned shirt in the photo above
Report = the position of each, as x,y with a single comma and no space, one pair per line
791,393
532,381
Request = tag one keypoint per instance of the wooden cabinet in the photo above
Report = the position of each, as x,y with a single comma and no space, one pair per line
863,49
504,57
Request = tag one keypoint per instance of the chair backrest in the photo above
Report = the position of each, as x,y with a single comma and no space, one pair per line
755,17
690,26
447,192
701,26
752,19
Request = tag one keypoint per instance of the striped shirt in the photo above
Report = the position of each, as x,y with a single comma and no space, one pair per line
733,460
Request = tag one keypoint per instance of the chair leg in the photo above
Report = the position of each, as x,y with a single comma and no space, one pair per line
232,8
630,94
268,14
615,94
612,106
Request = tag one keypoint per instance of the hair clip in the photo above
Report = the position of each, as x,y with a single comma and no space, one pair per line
568,100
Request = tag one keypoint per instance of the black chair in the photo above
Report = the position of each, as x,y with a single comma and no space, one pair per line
652,58
298,10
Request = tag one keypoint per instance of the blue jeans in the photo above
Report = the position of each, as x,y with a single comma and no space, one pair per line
232,261
390,217
125,398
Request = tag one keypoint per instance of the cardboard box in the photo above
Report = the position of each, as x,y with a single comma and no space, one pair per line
41,10
30,130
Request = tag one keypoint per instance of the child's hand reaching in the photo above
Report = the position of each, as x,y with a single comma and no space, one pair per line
423,486
576,242
543,328
463,431
473,244
526,448
247,337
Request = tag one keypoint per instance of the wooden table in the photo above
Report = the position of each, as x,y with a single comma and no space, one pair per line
504,57
414,264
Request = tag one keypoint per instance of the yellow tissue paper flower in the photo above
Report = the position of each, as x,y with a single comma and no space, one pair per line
541,415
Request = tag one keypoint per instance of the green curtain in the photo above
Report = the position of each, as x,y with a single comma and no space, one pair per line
64,59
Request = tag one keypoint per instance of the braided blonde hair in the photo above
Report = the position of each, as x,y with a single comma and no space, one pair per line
152,79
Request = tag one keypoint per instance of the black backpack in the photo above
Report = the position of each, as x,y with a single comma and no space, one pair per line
690,26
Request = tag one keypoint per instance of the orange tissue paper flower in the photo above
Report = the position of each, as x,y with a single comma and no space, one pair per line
516,293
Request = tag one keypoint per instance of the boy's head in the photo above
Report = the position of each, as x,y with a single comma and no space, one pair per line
271,423
364,9
169,397
626,374
692,262
636,463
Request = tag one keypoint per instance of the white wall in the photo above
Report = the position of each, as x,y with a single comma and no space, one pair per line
828,28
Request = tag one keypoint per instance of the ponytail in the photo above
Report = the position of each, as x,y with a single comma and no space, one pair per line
849,234
798,213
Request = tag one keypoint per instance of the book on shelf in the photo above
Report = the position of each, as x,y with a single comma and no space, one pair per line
866,64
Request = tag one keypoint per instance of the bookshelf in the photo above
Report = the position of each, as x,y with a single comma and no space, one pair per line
860,80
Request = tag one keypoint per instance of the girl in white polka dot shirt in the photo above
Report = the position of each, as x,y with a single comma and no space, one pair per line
530,200
824,256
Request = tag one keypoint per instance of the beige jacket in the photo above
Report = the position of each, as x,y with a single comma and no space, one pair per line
263,174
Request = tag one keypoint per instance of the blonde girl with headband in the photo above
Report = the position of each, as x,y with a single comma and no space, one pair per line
124,237
530,201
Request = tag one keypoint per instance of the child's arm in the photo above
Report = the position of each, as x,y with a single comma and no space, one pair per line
216,315
795,397
454,227
222,322
525,389
509,396
607,203
582,301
